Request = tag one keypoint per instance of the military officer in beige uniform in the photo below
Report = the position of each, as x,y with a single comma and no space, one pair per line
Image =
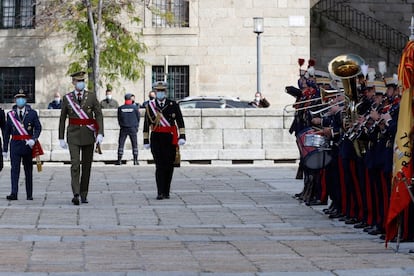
85,128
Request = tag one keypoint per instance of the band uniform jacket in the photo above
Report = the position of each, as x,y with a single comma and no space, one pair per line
80,134
172,114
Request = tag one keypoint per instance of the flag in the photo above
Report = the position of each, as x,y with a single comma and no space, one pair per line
402,163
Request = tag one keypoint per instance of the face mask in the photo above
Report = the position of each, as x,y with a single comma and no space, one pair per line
20,102
57,100
151,98
161,95
257,99
108,97
80,85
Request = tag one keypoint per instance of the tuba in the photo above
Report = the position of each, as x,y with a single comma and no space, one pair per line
346,68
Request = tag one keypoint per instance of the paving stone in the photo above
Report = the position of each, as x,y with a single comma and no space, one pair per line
220,220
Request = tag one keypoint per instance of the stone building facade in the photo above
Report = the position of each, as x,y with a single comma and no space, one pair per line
218,47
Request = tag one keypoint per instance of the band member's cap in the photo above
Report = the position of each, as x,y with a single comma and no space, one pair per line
128,96
160,85
78,75
391,81
20,94
380,90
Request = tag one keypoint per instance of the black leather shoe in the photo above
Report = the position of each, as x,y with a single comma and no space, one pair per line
136,163
84,200
351,221
360,225
159,197
167,196
29,198
368,228
119,162
12,197
75,200
336,215
376,231
343,218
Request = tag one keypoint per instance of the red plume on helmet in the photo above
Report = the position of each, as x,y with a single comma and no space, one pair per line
301,61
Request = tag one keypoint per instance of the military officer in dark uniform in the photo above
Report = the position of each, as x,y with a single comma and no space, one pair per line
24,127
128,120
2,126
163,117
84,130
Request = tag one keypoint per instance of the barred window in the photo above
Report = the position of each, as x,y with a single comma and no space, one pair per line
177,78
16,14
170,13
12,79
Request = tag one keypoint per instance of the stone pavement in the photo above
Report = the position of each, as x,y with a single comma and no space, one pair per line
232,220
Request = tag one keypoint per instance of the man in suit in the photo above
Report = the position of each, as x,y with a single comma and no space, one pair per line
163,117
24,127
85,128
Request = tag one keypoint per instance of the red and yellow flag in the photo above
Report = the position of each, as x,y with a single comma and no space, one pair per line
402,170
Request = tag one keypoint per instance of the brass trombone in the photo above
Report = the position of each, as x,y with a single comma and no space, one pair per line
313,113
325,94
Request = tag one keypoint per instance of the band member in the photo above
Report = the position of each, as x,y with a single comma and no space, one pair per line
84,130
162,118
24,127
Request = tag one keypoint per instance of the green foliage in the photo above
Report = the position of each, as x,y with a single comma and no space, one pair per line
120,49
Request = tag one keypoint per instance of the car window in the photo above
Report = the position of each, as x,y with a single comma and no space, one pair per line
209,104
188,104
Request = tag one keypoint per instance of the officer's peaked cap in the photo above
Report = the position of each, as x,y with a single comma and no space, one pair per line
160,85
20,94
128,96
78,75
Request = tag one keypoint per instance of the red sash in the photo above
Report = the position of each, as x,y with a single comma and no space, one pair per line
168,129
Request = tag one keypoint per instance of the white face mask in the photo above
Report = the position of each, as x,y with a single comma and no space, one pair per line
257,99
109,97
57,100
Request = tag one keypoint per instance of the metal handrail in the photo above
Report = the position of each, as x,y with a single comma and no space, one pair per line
362,24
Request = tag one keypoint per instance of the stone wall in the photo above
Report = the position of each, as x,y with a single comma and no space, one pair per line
213,136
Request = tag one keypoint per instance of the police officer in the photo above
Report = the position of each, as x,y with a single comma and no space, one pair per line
84,129
128,120
163,117
24,127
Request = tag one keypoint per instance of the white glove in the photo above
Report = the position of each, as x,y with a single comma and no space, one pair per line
99,139
63,144
30,143
5,155
147,146
181,142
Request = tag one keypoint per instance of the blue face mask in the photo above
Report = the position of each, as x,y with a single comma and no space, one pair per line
20,102
80,85
160,95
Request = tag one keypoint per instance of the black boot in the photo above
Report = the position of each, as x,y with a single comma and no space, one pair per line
119,161
299,173
136,160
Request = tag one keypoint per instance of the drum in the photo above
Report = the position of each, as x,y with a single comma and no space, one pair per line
315,140
313,150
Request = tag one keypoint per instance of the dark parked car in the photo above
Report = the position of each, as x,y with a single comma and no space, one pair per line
213,102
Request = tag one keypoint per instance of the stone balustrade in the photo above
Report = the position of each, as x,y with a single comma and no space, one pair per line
213,136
